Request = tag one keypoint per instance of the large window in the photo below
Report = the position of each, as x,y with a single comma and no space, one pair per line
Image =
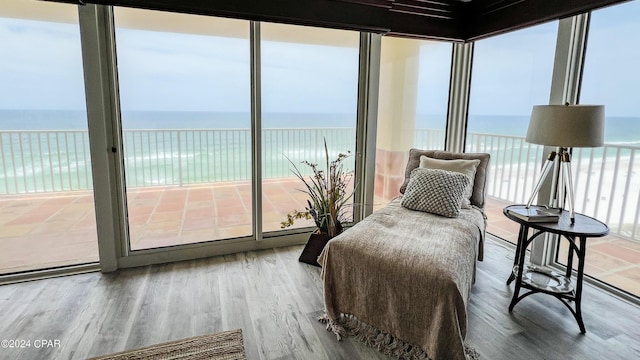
186,126
47,216
309,95
412,107
511,73
608,178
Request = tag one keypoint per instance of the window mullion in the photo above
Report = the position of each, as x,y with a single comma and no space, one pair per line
98,54
459,89
366,128
256,128
565,85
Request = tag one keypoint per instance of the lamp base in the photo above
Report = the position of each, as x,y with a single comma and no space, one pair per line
564,182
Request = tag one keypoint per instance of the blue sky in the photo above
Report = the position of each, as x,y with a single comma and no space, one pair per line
611,73
41,68
40,65
512,72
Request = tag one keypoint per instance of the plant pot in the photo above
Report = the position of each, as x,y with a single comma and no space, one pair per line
314,247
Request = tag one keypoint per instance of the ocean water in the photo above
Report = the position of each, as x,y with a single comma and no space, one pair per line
175,148
172,120
618,130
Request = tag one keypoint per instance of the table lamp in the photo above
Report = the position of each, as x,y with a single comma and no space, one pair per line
564,126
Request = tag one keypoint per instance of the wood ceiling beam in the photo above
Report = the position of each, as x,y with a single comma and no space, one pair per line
420,8
485,18
323,13
451,20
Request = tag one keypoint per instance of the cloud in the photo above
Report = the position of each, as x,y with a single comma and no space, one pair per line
40,66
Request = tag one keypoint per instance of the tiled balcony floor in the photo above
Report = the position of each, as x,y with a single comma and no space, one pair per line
184,215
56,229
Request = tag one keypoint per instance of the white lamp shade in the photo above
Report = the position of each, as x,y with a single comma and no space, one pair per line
567,125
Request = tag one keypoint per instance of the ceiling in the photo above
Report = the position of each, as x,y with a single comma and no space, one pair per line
451,20
475,19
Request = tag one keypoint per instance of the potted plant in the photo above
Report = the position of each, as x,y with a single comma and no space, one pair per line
329,196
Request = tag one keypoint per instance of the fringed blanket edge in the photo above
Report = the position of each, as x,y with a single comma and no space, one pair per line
349,325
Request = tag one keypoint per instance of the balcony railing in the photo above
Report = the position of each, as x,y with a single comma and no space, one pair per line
46,161
515,165
607,181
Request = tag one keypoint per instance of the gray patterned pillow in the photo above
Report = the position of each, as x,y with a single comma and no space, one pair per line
435,191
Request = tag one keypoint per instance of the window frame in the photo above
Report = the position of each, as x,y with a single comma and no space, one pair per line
101,81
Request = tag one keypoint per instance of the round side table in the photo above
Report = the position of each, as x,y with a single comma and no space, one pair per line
539,279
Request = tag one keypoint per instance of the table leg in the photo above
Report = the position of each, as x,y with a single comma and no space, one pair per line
522,242
572,240
522,235
582,252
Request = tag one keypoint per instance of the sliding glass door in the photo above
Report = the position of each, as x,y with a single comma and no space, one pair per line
47,216
309,95
173,137
186,127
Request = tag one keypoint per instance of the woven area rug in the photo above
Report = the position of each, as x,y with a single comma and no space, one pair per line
221,346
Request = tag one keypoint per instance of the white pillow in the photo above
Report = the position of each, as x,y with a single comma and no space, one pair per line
435,191
466,167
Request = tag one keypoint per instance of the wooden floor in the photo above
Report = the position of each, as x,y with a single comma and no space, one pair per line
275,301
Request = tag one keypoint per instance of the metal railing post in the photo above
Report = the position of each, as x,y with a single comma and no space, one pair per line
179,159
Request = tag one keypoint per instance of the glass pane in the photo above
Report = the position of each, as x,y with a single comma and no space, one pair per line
412,107
607,179
309,94
47,213
511,73
184,93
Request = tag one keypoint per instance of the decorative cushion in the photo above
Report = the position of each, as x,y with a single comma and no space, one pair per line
435,191
479,182
466,167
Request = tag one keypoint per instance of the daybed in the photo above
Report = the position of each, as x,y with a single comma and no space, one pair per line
400,279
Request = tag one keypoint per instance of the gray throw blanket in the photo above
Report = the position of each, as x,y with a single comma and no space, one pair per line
400,281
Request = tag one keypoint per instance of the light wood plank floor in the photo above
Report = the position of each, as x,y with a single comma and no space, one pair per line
275,300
